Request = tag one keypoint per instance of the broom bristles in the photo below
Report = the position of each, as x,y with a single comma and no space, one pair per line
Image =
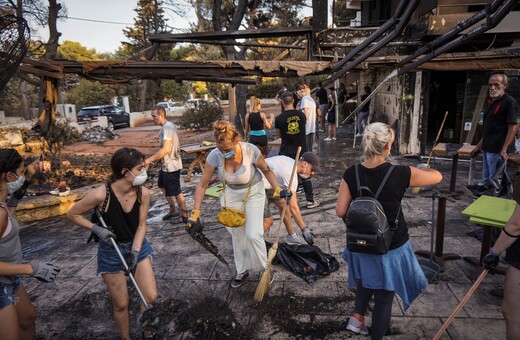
263,285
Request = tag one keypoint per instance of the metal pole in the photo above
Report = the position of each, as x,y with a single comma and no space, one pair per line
125,265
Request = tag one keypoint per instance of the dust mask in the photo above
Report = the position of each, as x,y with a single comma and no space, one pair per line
13,186
139,179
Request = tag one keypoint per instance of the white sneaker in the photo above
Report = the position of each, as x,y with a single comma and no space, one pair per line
356,326
327,139
333,138
312,205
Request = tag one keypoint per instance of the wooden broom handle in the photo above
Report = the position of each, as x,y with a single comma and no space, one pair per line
461,304
437,138
293,172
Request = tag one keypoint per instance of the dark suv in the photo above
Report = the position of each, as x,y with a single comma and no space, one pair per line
115,116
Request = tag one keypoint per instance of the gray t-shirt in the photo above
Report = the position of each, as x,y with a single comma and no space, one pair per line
10,246
242,176
172,160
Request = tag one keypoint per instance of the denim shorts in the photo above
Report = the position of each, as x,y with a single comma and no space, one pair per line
108,260
7,292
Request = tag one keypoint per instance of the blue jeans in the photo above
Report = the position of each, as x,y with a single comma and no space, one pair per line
7,293
490,163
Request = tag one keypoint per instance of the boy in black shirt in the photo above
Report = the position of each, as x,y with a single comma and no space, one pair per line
290,126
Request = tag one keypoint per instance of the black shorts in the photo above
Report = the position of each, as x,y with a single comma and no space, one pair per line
513,254
171,182
331,117
258,140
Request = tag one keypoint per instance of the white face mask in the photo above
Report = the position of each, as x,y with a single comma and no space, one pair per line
303,175
139,179
13,186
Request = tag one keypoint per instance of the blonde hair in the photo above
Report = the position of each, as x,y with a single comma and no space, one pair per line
375,138
225,131
254,104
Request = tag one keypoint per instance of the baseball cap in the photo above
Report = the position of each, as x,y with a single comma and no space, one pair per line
310,157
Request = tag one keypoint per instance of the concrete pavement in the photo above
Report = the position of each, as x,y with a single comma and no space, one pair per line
197,286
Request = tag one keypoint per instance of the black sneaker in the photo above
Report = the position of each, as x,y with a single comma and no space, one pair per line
170,216
239,279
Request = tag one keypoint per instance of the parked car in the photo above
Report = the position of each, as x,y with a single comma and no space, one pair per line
171,106
192,103
116,117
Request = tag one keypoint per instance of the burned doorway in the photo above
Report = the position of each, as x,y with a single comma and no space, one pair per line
446,94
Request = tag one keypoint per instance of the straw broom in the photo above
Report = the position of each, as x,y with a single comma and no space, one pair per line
263,285
417,190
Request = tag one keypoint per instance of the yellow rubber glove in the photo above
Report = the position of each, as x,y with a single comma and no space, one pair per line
277,192
193,224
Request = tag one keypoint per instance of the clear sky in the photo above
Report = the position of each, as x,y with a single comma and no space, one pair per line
106,19
104,37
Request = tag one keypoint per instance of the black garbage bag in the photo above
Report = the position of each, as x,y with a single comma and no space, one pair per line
501,185
306,261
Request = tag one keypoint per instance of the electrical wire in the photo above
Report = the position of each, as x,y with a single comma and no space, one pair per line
99,21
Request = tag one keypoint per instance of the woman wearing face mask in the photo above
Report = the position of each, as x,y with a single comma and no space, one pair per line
239,164
17,314
124,209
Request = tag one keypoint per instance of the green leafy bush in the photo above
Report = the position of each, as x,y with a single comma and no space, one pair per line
202,116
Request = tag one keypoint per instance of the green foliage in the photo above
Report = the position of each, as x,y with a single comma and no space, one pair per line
91,93
73,50
145,26
172,90
201,117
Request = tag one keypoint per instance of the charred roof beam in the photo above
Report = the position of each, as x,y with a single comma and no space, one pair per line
164,38
403,21
490,8
494,15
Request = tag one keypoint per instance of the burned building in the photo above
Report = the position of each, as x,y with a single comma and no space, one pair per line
443,52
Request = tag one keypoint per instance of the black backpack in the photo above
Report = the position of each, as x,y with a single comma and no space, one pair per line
367,226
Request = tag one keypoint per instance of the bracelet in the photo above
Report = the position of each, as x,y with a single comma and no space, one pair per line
510,235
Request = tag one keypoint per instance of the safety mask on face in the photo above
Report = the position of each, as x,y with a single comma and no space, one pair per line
229,154
303,175
13,186
139,179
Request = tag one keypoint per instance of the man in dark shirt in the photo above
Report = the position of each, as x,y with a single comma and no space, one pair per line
323,99
499,127
290,126
362,119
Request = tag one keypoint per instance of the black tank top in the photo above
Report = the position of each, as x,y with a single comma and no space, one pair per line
123,224
255,121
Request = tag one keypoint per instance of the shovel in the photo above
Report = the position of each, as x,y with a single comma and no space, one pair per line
150,310
429,267
461,304
416,190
